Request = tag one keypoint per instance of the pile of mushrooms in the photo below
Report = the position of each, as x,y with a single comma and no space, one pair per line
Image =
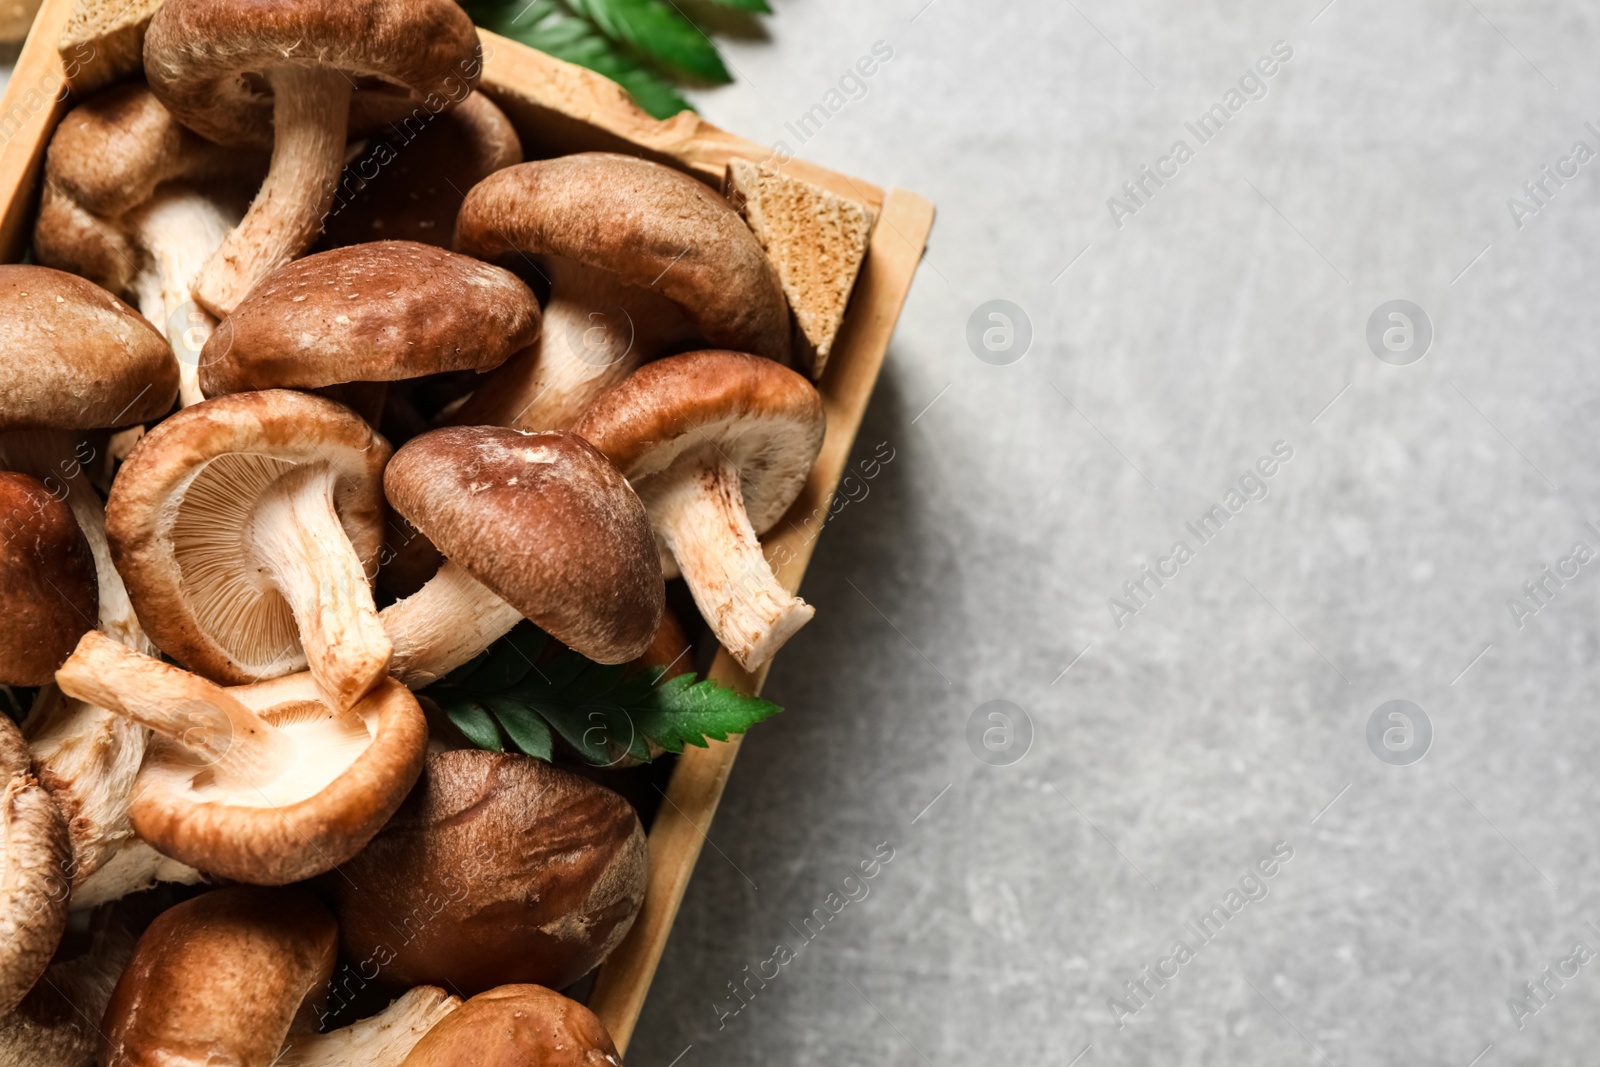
288,435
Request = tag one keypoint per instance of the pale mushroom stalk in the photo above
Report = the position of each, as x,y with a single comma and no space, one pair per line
299,544
240,747
597,331
700,514
310,115
180,228
443,625
381,1040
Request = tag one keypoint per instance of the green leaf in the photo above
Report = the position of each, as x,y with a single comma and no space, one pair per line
526,730
758,6
552,28
472,720
658,30
602,712
687,712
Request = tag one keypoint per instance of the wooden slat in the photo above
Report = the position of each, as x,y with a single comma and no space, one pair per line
572,109
696,787
34,101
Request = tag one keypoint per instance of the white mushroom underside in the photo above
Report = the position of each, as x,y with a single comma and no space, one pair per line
322,746
232,601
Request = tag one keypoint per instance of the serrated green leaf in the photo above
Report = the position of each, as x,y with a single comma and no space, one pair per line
525,728
658,30
475,723
687,712
602,711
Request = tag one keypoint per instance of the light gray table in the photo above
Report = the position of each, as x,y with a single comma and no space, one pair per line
1229,711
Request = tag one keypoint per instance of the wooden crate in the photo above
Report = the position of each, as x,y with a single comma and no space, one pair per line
559,108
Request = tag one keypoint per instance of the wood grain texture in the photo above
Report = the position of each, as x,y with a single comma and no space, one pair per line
692,795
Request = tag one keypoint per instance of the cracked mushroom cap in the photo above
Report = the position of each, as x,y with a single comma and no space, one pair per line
766,419
544,871
650,226
424,178
545,522
219,978
377,312
35,856
206,59
181,507
77,357
263,784
48,576
516,1025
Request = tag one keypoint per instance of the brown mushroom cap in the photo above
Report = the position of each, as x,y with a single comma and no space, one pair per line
540,872
545,522
765,419
78,358
111,152
35,857
423,178
48,576
197,474
514,1026
652,227
374,312
219,978
203,58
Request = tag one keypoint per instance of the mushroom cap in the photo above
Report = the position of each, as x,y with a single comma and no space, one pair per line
545,522
48,574
219,978
766,419
205,58
203,468
270,834
111,151
377,312
517,1025
424,178
650,226
543,869
35,856
78,358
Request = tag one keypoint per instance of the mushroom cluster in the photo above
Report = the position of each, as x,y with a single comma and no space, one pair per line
316,392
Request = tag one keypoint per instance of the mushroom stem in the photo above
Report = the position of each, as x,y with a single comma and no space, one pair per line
180,228
381,1040
597,331
310,114
59,458
216,729
298,542
700,515
443,625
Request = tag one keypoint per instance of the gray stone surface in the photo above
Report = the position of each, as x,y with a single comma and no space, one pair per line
1230,712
